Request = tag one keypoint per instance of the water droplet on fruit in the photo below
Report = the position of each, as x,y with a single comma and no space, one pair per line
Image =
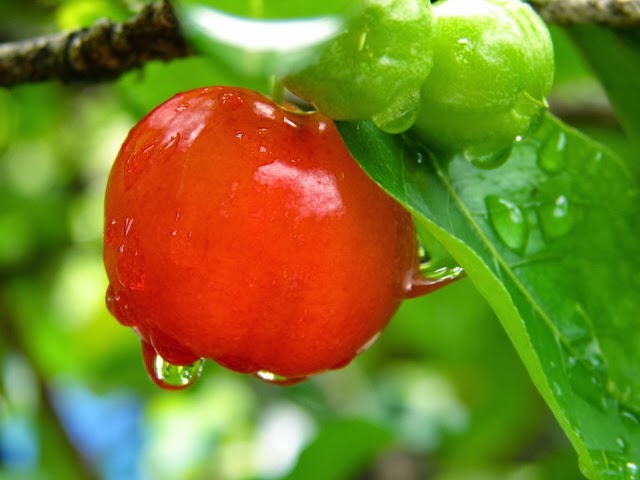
167,375
290,122
400,114
172,143
141,157
487,157
110,234
464,51
509,222
551,157
118,307
130,268
111,299
276,379
264,110
556,219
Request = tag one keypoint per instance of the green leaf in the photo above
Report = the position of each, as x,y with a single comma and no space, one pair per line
256,47
615,58
550,240
350,444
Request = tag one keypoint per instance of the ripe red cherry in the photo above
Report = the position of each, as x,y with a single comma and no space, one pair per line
238,231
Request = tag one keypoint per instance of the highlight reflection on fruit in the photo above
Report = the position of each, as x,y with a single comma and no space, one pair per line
238,231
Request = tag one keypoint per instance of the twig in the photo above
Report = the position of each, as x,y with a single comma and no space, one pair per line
101,52
609,13
107,49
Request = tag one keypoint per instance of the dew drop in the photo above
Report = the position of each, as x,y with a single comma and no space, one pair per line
142,155
421,284
622,444
400,114
630,418
167,375
556,219
614,466
130,268
430,275
172,143
110,235
509,222
276,379
487,157
118,307
588,351
552,158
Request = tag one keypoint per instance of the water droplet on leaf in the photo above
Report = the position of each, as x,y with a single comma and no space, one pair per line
615,466
556,219
509,222
276,379
487,157
167,375
551,157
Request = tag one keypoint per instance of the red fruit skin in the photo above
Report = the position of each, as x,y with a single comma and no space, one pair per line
241,232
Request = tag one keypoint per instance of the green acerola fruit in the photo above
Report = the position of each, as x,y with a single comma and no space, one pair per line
374,70
493,67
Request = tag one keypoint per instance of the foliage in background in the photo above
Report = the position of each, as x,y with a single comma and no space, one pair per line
441,395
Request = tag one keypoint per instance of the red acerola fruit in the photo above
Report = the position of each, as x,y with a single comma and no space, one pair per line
242,232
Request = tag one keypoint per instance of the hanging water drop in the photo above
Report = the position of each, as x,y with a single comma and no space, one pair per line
551,157
487,157
276,379
433,273
167,375
509,222
556,218
400,114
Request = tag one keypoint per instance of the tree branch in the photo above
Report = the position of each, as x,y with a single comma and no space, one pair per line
101,52
107,49
608,13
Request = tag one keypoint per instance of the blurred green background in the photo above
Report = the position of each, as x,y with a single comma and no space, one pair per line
441,395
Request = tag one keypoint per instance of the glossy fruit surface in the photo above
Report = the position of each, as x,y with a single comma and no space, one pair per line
493,67
241,232
375,68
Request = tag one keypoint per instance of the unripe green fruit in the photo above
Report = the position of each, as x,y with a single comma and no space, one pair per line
375,68
493,67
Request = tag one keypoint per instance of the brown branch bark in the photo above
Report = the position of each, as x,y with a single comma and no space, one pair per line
101,52
107,49
609,13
